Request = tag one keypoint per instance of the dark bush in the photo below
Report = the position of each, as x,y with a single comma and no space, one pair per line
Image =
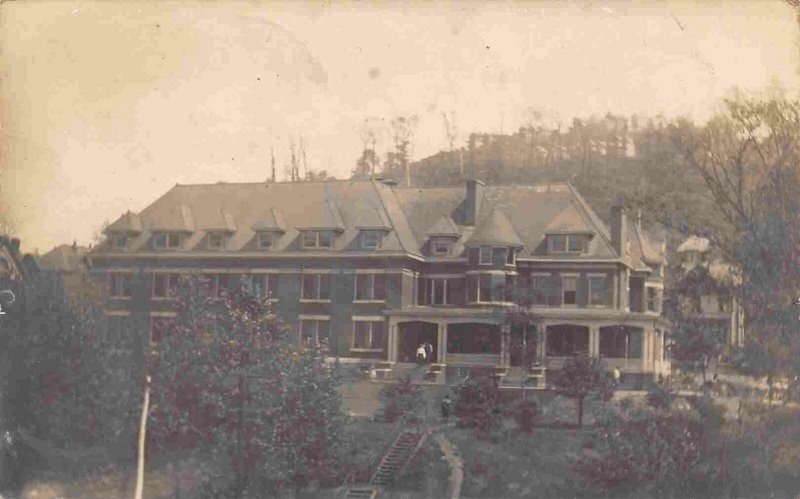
403,398
478,405
525,412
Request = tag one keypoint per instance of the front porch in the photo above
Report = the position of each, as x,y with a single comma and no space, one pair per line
635,346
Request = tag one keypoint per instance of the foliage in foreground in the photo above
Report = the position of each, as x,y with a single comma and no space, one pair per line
230,382
478,405
583,376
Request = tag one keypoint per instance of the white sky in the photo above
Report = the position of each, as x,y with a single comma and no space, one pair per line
107,105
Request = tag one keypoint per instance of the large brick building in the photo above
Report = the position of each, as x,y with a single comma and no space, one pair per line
377,269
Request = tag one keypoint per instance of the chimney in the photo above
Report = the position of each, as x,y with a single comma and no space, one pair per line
619,228
472,203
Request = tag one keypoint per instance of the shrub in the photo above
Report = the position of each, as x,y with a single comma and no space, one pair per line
659,398
525,412
403,398
478,405
665,452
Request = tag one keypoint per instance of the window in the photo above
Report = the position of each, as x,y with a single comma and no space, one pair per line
216,240
455,291
542,289
317,239
438,292
265,285
511,257
569,287
316,287
368,336
265,240
314,332
167,240
165,285
217,284
159,328
598,294
499,256
370,287
371,239
566,243
485,257
119,241
485,288
119,285
441,246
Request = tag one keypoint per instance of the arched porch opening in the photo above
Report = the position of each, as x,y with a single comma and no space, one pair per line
564,340
621,342
412,334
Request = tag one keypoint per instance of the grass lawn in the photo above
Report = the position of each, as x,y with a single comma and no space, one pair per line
520,465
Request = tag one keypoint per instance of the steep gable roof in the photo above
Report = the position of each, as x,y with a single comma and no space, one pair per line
128,223
444,227
495,228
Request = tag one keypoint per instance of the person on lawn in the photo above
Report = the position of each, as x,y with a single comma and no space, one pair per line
446,407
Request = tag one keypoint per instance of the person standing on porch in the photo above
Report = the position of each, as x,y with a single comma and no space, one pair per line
421,354
617,376
428,351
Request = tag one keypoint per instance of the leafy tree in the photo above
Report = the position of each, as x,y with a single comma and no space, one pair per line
228,380
697,341
66,387
667,453
581,377
478,405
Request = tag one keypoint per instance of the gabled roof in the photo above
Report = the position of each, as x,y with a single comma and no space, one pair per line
270,220
64,258
495,229
127,223
224,222
444,227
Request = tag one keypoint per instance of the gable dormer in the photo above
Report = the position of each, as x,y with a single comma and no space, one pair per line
442,236
495,241
172,233
219,231
322,225
372,229
125,228
269,227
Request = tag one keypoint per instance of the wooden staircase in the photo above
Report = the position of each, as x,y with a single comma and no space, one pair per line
396,460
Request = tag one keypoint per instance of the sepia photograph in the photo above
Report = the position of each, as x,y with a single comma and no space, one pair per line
472,249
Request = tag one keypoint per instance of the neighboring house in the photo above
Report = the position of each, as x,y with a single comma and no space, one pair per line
711,289
68,263
14,266
375,270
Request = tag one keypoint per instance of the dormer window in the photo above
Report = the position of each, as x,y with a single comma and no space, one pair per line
441,246
313,239
167,240
265,240
371,239
566,243
119,241
216,240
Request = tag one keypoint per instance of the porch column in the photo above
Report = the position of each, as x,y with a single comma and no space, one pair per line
442,340
391,347
541,343
505,333
594,341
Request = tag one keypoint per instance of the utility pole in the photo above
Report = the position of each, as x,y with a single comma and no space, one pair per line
272,154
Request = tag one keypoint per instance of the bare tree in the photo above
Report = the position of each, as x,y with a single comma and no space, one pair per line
402,130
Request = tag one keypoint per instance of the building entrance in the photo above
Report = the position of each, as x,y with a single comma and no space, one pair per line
412,335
